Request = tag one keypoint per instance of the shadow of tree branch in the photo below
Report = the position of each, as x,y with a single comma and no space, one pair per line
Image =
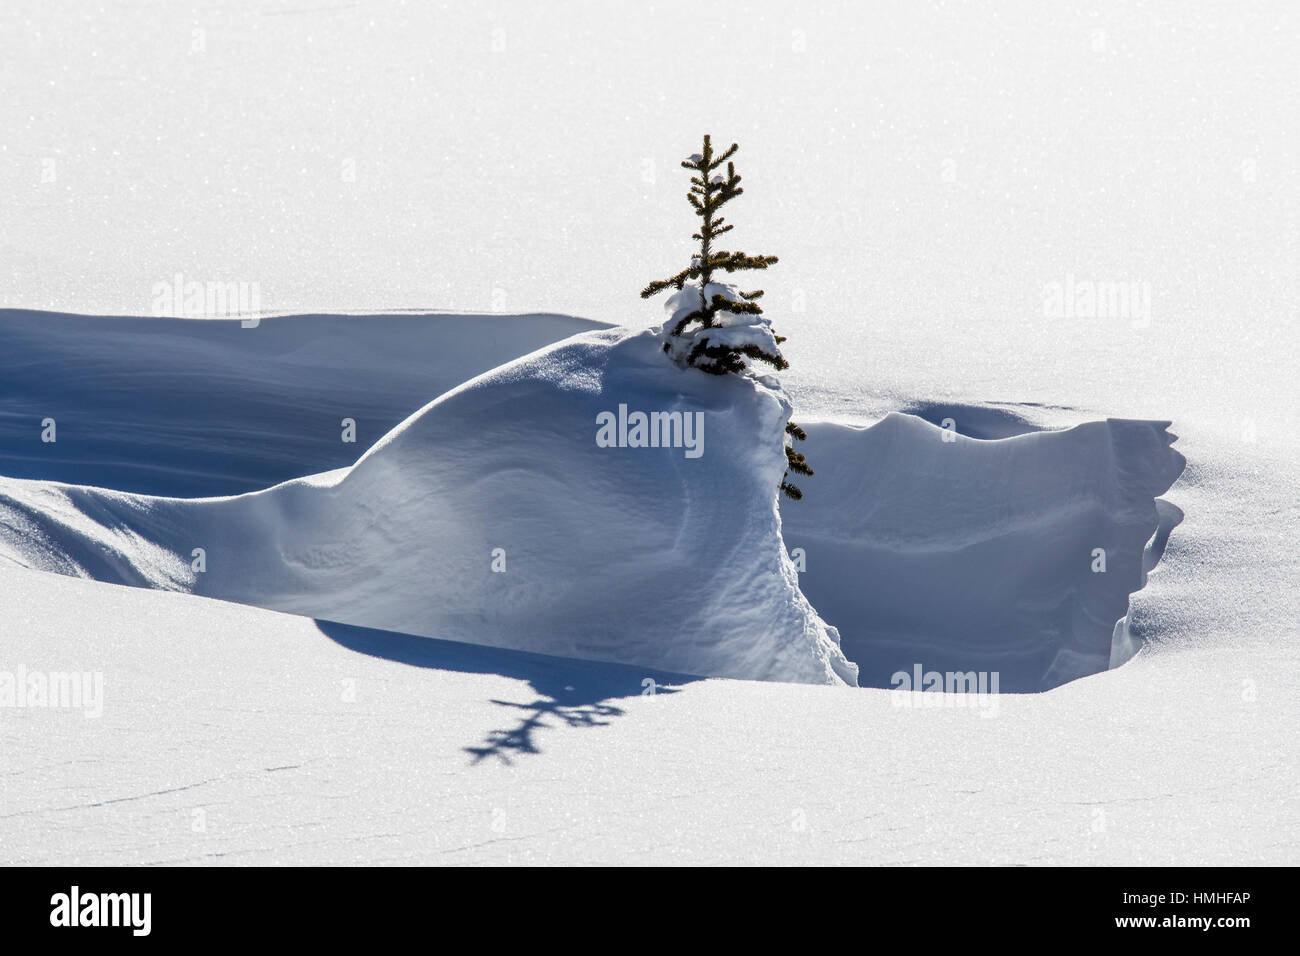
571,692
519,739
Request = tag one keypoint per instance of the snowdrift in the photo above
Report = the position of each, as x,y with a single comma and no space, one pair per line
494,515
516,510
1015,556
201,407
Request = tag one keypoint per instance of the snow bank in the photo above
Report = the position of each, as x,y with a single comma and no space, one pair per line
189,407
493,516
1014,556
517,511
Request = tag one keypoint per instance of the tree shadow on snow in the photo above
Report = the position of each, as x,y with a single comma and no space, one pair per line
571,693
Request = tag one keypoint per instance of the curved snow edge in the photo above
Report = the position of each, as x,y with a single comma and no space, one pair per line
1015,555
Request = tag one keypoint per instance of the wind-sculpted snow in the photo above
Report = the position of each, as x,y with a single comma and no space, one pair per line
516,510
493,515
1014,556
190,407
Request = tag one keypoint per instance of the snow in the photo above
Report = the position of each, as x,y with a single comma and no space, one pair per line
735,330
377,747
649,556
496,514
233,735
972,160
283,389
1014,556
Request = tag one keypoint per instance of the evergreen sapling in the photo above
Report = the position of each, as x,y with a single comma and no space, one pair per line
715,327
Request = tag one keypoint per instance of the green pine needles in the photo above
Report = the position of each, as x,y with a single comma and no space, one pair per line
718,330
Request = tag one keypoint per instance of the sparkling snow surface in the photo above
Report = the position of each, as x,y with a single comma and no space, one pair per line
934,178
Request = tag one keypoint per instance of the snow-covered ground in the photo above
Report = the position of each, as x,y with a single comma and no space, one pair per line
946,187
224,732
236,735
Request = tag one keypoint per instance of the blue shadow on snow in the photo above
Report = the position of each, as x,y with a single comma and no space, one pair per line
573,693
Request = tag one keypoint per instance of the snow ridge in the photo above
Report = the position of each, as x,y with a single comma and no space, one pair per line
497,514
492,516
1015,555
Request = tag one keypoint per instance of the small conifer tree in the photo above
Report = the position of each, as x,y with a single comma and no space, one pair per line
709,334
